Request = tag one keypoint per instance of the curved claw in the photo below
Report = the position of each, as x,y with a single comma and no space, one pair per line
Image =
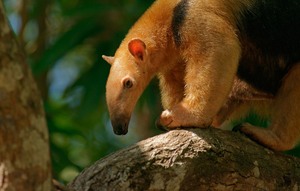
238,128
160,126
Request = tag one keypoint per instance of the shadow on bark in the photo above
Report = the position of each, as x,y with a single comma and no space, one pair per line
194,159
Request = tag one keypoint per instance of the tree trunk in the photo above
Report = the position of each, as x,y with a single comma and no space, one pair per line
24,151
196,159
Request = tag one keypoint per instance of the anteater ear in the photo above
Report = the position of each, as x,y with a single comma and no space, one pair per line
137,48
109,59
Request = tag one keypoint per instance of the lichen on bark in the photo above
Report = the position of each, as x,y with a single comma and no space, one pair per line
24,151
192,159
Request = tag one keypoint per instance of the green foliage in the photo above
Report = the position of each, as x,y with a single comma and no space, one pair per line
64,40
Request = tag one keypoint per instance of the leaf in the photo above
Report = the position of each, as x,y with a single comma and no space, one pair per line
73,37
88,9
93,84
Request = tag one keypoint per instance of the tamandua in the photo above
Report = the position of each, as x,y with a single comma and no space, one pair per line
216,61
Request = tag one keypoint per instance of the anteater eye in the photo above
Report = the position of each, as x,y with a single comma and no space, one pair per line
127,83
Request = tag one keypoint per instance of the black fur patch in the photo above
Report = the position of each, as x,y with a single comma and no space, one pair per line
270,38
179,14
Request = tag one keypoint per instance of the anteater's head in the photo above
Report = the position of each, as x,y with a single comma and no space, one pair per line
128,77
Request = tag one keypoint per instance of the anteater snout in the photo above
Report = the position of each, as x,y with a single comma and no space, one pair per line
120,129
120,125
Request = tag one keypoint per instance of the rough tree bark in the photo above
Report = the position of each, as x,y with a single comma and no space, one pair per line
196,159
24,150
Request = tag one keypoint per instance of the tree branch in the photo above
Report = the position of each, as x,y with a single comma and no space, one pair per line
195,159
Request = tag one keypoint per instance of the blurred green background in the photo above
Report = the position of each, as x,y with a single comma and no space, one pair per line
64,41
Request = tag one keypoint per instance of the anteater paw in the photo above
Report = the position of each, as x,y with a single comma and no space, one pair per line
168,121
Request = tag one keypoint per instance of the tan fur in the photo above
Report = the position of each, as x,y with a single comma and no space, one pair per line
242,99
198,78
284,131
153,29
218,49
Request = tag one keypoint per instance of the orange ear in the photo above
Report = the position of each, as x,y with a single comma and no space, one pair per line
137,48
108,59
